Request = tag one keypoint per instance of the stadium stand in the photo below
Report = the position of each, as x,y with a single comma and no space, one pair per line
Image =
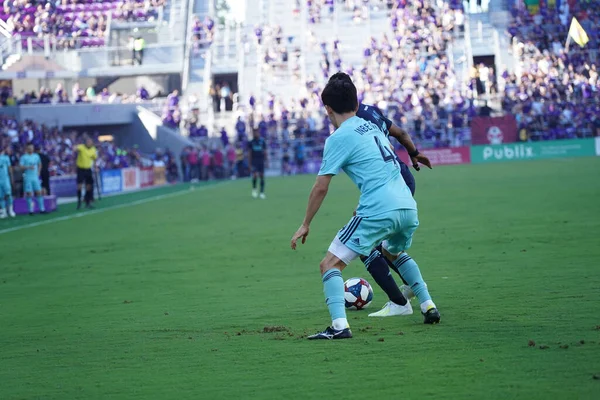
73,23
554,94
431,66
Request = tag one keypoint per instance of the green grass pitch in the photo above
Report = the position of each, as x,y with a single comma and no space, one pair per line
169,299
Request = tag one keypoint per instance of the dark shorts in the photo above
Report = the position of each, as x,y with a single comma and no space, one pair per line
258,167
409,179
85,176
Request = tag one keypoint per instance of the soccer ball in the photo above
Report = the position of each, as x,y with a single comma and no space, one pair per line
357,293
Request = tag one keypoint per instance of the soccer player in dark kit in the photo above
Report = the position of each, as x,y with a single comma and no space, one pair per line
257,153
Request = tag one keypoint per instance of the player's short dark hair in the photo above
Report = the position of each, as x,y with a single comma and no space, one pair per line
340,94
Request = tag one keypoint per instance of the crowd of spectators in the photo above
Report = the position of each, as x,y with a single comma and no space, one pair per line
203,31
172,112
204,162
73,23
272,47
319,11
557,92
407,74
60,146
76,95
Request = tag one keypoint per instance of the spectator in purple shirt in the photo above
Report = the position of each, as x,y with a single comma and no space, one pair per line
142,93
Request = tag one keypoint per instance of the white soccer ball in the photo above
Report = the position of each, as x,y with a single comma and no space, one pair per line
357,293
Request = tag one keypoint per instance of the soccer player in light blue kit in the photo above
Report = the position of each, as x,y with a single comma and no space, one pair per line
6,200
32,164
386,211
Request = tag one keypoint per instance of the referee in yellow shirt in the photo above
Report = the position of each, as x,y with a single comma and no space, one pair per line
86,160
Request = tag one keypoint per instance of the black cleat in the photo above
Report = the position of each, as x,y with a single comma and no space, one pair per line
31,214
43,212
79,205
331,333
432,316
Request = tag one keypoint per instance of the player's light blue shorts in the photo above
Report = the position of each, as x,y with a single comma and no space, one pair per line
31,185
363,234
5,188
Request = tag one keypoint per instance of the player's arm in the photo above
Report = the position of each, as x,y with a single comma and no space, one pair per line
405,140
335,155
315,200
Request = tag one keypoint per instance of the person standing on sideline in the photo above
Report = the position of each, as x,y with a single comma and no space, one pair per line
138,50
257,153
6,179
86,160
30,162
45,172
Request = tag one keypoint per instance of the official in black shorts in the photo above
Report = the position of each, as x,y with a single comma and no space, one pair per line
86,159
257,152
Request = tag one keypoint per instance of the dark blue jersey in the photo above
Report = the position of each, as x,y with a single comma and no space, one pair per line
374,114
257,148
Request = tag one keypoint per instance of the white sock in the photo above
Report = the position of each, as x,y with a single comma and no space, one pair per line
340,323
426,305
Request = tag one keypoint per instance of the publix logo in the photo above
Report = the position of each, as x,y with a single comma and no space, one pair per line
508,152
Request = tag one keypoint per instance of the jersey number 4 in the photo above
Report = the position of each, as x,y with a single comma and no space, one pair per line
386,153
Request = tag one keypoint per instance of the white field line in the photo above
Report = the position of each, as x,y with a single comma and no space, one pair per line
115,207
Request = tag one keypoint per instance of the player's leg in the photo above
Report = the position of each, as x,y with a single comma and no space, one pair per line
405,289
9,202
3,197
37,190
377,266
6,194
361,235
254,172
28,190
262,182
80,182
89,188
394,249
336,259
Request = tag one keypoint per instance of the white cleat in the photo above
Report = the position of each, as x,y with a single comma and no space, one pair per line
254,193
262,196
11,212
407,292
2,214
392,309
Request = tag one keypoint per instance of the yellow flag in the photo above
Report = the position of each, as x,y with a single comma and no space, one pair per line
577,33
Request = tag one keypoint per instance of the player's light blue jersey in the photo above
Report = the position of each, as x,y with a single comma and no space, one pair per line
4,167
365,154
30,160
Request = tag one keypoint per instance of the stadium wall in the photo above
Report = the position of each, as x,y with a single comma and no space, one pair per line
533,150
510,152
112,181
72,115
